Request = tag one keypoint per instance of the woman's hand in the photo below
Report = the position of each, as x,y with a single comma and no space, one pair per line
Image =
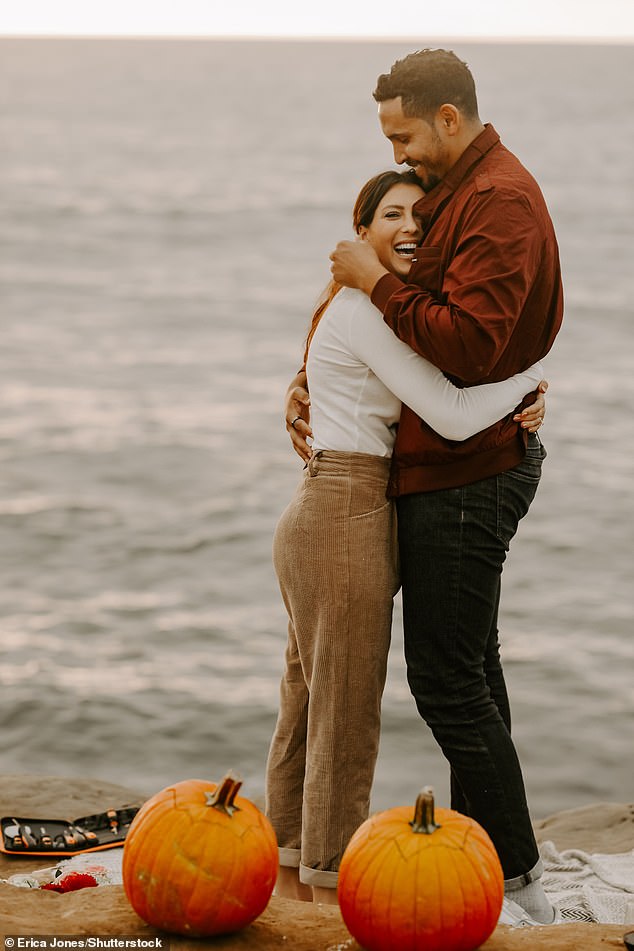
532,418
297,413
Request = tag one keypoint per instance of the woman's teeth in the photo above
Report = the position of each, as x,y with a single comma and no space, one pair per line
406,250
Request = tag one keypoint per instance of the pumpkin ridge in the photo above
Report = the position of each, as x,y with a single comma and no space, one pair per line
377,886
481,864
479,837
268,845
478,929
386,899
416,916
439,857
366,880
248,879
231,859
207,917
485,863
465,913
150,812
159,885
417,908
494,903
369,856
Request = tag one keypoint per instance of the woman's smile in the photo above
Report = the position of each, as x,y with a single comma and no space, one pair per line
394,231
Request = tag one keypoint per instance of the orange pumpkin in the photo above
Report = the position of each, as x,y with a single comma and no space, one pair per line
421,884
200,860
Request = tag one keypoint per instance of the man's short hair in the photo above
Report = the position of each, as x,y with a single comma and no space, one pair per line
425,80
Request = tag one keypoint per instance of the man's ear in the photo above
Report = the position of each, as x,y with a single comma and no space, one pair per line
449,118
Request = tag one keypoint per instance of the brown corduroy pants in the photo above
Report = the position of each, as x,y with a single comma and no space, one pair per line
336,557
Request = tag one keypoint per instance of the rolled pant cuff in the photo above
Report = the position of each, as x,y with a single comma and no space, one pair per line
510,884
316,876
289,858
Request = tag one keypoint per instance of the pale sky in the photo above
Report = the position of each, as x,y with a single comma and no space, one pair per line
570,19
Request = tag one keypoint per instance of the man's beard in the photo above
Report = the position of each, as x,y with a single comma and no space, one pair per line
430,181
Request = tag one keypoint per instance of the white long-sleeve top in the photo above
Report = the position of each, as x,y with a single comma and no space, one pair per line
359,373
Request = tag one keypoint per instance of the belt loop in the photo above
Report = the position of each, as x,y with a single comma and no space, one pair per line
313,469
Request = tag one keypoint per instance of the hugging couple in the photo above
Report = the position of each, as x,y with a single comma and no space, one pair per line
422,455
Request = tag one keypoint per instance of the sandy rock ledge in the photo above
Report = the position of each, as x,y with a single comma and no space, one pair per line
296,926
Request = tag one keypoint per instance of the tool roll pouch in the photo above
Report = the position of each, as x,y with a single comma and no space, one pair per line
66,837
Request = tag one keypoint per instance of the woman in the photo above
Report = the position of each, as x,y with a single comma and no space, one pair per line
335,550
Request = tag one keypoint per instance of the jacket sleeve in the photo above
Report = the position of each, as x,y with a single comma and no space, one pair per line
454,412
464,323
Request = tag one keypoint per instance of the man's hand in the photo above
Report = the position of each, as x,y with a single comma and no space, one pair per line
532,417
355,264
297,412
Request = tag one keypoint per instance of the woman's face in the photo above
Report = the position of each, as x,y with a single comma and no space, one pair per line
394,233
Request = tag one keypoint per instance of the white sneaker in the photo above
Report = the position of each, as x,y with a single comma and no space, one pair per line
514,915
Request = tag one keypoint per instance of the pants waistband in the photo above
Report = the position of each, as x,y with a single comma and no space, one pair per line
354,463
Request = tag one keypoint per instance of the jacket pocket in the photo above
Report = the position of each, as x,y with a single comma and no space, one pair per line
425,270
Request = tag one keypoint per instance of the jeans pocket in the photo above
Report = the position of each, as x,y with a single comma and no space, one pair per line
517,488
530,468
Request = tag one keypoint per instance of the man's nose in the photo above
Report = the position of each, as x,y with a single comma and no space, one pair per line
399,154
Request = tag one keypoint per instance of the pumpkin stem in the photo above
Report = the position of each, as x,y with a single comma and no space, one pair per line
223,796
423,821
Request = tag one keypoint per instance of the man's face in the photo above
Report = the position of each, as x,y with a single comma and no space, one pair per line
416,142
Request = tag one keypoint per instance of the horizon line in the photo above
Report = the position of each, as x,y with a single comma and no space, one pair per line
595,39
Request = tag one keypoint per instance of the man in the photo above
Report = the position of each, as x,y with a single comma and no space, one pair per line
482,301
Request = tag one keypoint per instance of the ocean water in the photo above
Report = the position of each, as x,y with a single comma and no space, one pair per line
166,213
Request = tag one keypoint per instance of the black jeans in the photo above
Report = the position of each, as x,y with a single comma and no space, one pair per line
453,544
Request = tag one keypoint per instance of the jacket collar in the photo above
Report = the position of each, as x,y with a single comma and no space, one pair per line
427,206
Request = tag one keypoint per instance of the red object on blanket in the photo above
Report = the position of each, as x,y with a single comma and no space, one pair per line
72,882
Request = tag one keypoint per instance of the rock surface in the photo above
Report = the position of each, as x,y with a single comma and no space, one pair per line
296,926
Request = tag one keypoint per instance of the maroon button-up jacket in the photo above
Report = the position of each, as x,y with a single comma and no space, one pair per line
483,301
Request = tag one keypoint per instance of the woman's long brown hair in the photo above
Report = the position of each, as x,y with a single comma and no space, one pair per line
363,213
